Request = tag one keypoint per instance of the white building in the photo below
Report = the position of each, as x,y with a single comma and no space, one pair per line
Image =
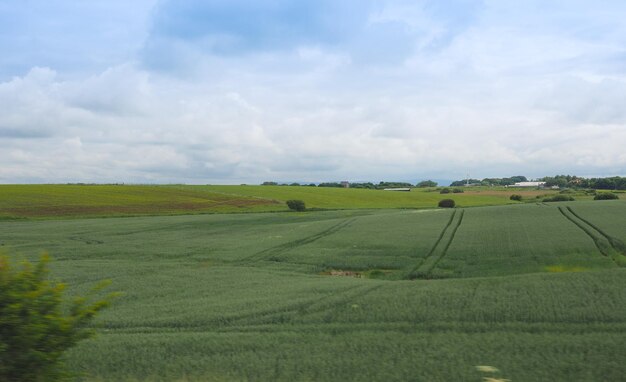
529,184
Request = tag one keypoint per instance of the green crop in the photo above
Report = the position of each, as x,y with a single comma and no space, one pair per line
347,294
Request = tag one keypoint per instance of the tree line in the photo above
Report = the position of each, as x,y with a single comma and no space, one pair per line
573,181
367,185
563,181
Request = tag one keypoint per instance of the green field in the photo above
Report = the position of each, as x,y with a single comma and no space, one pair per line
536,290
55,201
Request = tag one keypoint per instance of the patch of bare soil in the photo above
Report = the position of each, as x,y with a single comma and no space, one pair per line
342,273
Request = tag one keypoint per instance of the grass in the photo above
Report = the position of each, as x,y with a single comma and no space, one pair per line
239,297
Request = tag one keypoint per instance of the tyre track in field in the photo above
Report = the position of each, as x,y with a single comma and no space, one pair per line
616,243
439,250
600,239
325,303
261,255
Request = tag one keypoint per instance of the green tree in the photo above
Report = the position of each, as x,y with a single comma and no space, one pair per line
37,325
426,183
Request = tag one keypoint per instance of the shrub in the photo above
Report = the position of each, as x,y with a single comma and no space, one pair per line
559,198
296,205
605,196
516,197
447,203
458,191
444,191
36,325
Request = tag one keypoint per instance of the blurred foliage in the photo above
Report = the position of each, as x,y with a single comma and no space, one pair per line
37,324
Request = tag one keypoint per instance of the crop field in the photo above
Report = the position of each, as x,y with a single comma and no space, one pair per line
537,290
55,201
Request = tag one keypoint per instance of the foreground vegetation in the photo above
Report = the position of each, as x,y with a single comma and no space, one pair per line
534,289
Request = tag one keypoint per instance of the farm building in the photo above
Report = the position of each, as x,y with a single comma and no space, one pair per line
397,189
529,184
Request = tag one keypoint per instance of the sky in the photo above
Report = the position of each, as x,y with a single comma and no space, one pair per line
234,91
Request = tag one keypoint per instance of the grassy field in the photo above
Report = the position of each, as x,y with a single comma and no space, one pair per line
54,201
536,290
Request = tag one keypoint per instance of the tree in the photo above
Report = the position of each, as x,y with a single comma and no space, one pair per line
426,183
296,205
516,197
37,324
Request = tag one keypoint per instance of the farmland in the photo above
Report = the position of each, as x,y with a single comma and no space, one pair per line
534,289
56,201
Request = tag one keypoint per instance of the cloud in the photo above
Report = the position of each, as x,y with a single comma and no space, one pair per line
317,91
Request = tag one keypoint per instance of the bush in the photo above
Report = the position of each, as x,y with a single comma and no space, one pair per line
516,197
447,203
458,191
605,196
296,205
559,198
36,325
444,191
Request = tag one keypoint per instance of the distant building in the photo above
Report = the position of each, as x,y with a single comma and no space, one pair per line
397,189
529,184
345,184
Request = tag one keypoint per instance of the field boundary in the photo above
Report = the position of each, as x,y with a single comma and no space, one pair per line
424,268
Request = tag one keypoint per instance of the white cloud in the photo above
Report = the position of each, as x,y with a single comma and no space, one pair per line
493,98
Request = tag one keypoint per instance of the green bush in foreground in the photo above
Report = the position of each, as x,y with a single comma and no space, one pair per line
447,203
559,198
605,196
516,197
296,205
35,326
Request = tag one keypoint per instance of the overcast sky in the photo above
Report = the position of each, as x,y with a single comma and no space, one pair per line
234,91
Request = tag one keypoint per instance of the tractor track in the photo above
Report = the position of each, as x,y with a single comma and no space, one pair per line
601,240
261,255
319,305
617,244
425,267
